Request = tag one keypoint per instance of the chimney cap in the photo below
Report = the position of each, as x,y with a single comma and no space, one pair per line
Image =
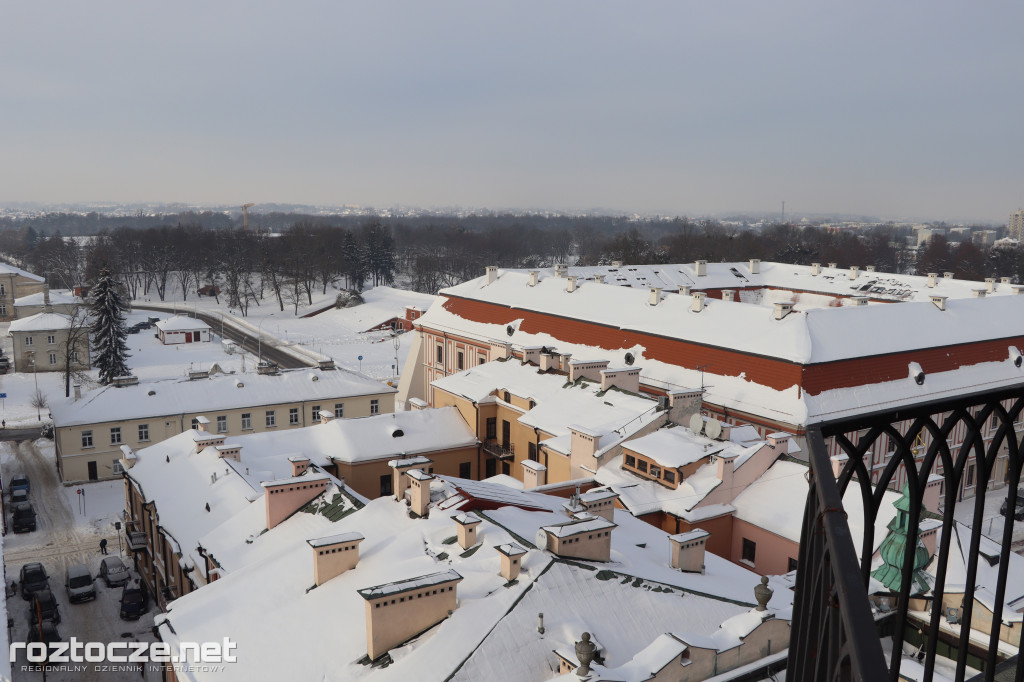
336,539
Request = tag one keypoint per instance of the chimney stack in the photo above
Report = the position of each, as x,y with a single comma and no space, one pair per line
599,279
869,268
571,284
978,293
854,272
333,555
685,290
534,277
815,269
78,391
990,284
561,270
859,300
616,264
492,274
511,562
698,301
782,309
755,266
933,279
701,267
832,266
728,295
688,550
939,301
948,275
655,296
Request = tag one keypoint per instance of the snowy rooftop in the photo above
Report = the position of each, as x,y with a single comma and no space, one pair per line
181,323
219,392
570,528
57,297
400,586
357,440
676,447
558,403
6,268
41,322
641,496
336,539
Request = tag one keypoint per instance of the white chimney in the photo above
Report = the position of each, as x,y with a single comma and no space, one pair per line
78,391
832,266
655,295
990,284
859,300
685,290
815,269
599,279
561,270
782,309
939,301
701,267
1018,289
492,273
616,264
933,279
534,276
698,301
755,266
571,284
854,272
728,295
869,268
978,293
1004,280
948,275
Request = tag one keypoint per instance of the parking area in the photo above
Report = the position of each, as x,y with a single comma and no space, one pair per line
66,536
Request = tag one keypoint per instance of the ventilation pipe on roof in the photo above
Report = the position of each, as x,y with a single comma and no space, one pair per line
698,301
947,275
854,272
815,269
701,267
755,266
655,296
492,273
1016,357
728,295
990,284
534,277
939,301
933,279
571,284
782,309
916,373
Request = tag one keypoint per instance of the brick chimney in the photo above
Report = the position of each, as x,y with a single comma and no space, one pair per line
299,464
466,525
333,555
203,424
534,474
284,497
688,550
326,416
402,609
655,296
399,482
782,309
419,485
511,560
492,273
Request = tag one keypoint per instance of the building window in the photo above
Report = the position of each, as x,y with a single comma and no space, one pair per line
385,485
670,476
374,406
459,360
293,415
316,413
247,421
271,418
970,476
53,358
3,289
630,461
507,397
440,354
792,565
466,470
339,410
28,340
3,309
642,465
532,454
86,439
481,360
74,356
115,435
655,471
492,428
51,339
749,550
195,423
118,469
143,433
222,423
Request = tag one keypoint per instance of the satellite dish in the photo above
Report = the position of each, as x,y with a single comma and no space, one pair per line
714,429
541,539
696,423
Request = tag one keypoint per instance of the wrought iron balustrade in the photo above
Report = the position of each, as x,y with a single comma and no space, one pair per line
836,630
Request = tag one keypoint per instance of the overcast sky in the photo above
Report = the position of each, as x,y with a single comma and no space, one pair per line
893,109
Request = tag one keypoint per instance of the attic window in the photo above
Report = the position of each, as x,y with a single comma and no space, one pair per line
397,433
510,330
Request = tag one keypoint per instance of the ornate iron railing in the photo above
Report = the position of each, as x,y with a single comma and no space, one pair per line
836,633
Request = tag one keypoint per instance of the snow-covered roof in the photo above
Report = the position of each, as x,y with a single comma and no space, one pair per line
987,569
221,392
559,405
467,519
689,536
399,586
181,323
676,447
41,322
6,268
575,527
641,496
510,549
368,438
336,539
57,297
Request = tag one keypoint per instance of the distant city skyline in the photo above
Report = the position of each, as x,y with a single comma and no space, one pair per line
896,111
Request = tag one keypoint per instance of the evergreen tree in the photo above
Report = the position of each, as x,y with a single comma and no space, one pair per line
107,308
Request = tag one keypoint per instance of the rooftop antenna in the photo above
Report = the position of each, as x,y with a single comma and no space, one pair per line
701,368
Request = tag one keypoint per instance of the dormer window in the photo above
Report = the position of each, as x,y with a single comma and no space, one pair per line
507,397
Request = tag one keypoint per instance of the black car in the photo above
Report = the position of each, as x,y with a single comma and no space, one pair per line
33,579
24,518
133,601
43,606
46,633
1019,513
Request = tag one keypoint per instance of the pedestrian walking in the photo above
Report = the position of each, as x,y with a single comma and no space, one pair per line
103,546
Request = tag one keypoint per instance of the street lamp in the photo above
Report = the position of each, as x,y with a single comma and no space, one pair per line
259,342
396,340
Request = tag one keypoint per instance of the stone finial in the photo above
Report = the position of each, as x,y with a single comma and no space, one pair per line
762,593
585,655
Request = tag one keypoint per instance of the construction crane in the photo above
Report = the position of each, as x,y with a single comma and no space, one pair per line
245,216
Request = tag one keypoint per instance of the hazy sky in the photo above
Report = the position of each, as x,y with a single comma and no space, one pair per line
895,109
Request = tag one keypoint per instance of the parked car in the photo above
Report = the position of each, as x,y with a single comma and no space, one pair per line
20,482
1019,513
19,496
79,584
5,365
24,518
33,579
43,605
114,572
133,601
46,633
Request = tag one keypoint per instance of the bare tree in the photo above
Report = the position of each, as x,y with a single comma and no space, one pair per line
73,368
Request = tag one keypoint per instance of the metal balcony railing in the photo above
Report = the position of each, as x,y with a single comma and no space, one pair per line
493,447
836,631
